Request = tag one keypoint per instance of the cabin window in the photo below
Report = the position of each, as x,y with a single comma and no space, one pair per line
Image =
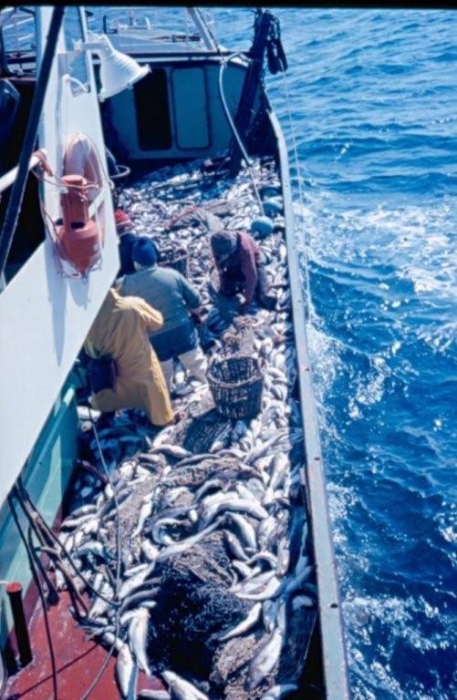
190,104
77,67
153,112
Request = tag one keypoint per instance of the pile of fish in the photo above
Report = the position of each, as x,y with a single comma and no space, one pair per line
197,563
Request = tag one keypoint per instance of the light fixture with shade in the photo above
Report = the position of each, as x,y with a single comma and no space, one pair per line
117,70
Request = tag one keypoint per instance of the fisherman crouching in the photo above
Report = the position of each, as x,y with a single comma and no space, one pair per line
179,303
240,265
125,372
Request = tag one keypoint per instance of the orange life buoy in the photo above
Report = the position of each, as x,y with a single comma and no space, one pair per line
80,242
81,159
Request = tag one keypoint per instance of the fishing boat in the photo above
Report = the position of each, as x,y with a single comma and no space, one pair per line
179,132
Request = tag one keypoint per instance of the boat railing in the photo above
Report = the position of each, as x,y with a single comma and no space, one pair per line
192,27
13,23
9,178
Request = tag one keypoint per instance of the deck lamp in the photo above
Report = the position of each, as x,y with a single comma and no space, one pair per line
117,70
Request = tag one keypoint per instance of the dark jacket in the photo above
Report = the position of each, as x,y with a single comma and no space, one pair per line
239,272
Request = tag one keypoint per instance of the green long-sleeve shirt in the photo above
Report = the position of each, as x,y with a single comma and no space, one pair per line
166,290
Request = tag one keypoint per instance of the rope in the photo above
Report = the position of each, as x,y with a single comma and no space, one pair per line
40,592
300,190
118,568
23,495
224,63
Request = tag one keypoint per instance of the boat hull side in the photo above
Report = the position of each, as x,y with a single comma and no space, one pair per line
331,626
46,477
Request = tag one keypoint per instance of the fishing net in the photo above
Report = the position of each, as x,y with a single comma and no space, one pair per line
193,606
202,428
194,475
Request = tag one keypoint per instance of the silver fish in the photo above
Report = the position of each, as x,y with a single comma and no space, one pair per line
135,581
279,691
270,613
149,550
245,529
145,511
235,546
265,659
296,582
147,694
262,449
126,672
237,504
302,601
138,633
245,624
271,589
182,689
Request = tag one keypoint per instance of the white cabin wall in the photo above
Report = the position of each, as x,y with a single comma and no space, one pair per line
44,316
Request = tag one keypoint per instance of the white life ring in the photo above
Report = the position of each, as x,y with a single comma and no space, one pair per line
81,158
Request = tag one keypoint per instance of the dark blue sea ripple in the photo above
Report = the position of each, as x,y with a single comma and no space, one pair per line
370,102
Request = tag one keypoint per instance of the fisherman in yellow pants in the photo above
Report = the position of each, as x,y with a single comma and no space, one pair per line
120,333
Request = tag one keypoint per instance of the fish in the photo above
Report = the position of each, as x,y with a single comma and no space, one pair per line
171,450
129,585
264,554
261,449
303,601
237,504
265,659
178,547
295,583
138,633
126,673
182,689
245,529
270,613
279,691
147,694
241,568
146,595
271,589
149,550
235,546
245,625
158,526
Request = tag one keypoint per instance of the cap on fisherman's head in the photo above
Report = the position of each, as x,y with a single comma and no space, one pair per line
223,243
123,221
144,252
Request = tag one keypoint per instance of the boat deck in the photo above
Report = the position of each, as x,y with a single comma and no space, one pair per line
260,459
77,659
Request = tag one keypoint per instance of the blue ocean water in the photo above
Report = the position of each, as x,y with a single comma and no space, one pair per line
369,106
370,102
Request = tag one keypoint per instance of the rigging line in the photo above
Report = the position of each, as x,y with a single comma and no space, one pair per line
52,536
118,567
42,532
300,190
209,30
222,68
40,591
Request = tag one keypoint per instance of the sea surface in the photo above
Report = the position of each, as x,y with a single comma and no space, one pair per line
369,110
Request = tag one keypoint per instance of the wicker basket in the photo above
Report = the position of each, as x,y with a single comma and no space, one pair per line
236,384
175,257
